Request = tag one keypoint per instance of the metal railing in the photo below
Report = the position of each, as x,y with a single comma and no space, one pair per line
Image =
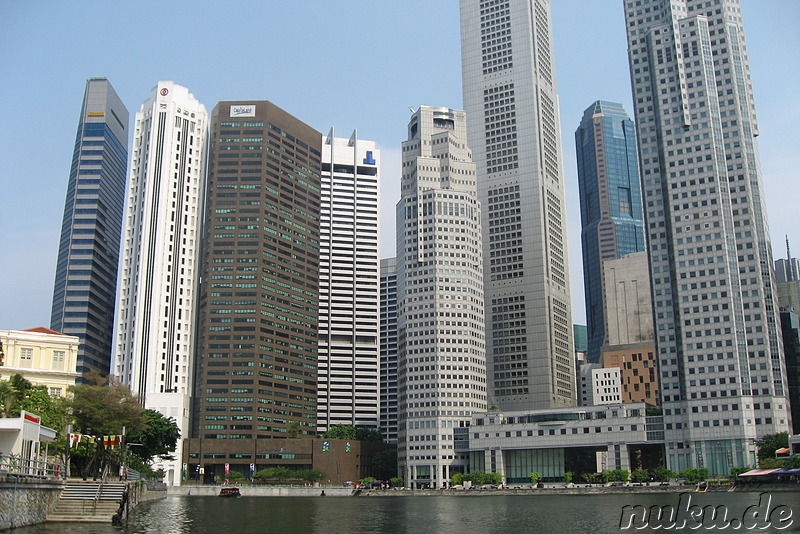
13,464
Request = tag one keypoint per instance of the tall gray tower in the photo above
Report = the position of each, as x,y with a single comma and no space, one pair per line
720,353
441,359
515,136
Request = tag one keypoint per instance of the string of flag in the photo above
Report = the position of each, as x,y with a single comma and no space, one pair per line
109,442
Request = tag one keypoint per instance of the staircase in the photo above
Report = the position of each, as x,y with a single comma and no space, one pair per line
88,502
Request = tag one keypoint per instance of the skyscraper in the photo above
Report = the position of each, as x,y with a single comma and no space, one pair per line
349,351
88,252
611,204
157,297
256,369
441,361
721,362
388,378
515,135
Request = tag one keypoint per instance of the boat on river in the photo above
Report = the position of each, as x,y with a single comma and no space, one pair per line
230,492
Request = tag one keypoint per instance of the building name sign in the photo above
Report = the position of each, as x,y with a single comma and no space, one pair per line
243,111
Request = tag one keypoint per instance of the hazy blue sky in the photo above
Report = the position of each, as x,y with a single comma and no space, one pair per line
348,64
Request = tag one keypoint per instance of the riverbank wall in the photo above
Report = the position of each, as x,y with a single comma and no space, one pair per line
26,501
300,491
263,491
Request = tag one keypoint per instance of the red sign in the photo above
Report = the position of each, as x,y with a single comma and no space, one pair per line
164,91
32,418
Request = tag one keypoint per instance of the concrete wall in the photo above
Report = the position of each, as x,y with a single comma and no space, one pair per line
264,491
26,501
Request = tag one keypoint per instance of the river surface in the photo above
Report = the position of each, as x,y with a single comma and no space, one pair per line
595,514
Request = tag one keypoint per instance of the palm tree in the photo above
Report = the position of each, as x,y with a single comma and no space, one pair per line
8,394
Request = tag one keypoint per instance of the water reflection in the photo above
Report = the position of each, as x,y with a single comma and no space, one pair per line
597,514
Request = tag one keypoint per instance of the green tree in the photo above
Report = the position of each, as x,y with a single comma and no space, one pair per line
293,429
279,473
397,482
101,407
384,464
694,476
456,480
159,437
341,432
310,475
640,476
493,478
662,474
369,434
366,481
771,443
235,475
534,478
568,477
736,471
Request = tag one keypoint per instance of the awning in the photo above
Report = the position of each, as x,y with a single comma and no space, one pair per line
784,450
788,471
758,472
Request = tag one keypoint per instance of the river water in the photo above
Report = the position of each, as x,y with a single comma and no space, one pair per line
595,514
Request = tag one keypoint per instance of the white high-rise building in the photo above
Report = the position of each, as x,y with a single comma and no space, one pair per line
515,135
158,275
349,349
720,354
388,385
441,361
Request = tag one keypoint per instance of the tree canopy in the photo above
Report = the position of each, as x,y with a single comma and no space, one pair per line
771,443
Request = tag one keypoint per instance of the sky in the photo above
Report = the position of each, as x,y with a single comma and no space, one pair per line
349,64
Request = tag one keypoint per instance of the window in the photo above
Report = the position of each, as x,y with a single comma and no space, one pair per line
58,360
25,357
56,392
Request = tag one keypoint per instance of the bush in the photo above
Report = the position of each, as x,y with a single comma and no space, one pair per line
568,477
457,479
234,475
534,478
397,482
278,473
494,478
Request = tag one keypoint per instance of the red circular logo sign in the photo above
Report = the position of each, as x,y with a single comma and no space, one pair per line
164,92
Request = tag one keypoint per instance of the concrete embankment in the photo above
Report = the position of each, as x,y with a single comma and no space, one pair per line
248,490
26,500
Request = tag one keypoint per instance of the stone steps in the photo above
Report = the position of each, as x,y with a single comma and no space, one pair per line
78,502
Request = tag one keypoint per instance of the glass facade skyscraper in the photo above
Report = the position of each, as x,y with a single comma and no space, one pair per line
611,204
88,252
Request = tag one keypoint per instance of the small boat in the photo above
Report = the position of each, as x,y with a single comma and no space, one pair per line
229,492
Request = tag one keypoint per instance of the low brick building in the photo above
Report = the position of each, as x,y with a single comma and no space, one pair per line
341,460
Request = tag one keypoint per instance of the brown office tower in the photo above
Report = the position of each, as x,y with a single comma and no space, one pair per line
256,366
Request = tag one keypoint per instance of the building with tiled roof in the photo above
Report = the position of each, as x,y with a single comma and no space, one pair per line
42,356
